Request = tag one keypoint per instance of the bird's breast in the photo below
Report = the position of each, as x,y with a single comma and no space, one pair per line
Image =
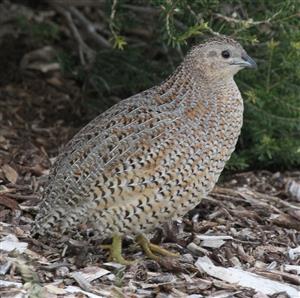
212,131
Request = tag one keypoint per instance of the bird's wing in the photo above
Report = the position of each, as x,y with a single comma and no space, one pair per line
130,156
125,139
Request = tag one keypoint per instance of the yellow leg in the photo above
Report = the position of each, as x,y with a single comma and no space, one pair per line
116,251
150,248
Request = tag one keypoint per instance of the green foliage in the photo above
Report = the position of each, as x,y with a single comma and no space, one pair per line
238,162
271,133
39,31
68,63
116,74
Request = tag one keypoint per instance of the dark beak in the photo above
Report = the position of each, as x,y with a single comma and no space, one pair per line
245,61
249,62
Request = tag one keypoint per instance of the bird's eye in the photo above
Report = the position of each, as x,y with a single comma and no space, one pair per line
226,54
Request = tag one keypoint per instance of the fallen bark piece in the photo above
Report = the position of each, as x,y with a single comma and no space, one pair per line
113,265
166,280
6,283
82,282
85,286
74,290
260,295
5,266
16,293
212,243
4,224
52,289
8,202
223,294
245,279
211,240
293,188
289,268
93,272
196,249
280,276
213,237
11,242
285,221
294,253
144,293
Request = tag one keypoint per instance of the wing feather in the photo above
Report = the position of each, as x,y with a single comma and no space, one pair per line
114,143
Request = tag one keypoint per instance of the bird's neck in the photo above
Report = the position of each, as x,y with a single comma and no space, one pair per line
191,90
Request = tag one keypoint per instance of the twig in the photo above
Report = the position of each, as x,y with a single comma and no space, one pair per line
148,10
83,47
275,200
72,14
90,28
79,2
279,275
248,22
246,192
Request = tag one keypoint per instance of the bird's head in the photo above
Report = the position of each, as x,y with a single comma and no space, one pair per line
219,58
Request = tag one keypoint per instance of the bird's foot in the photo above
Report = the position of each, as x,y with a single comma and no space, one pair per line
150,248
115,249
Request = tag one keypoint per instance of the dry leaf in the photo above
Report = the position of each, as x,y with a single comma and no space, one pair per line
10,174
8,202
293,188
286,221
11,243
52,289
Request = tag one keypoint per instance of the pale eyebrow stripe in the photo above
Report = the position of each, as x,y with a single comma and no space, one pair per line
212,54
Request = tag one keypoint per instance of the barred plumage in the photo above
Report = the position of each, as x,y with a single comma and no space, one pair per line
153,156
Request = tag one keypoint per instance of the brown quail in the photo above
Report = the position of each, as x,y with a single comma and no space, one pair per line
151,157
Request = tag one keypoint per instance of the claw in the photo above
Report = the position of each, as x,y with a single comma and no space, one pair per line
116,251
150,248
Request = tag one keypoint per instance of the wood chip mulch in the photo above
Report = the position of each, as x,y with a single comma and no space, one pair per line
242,241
